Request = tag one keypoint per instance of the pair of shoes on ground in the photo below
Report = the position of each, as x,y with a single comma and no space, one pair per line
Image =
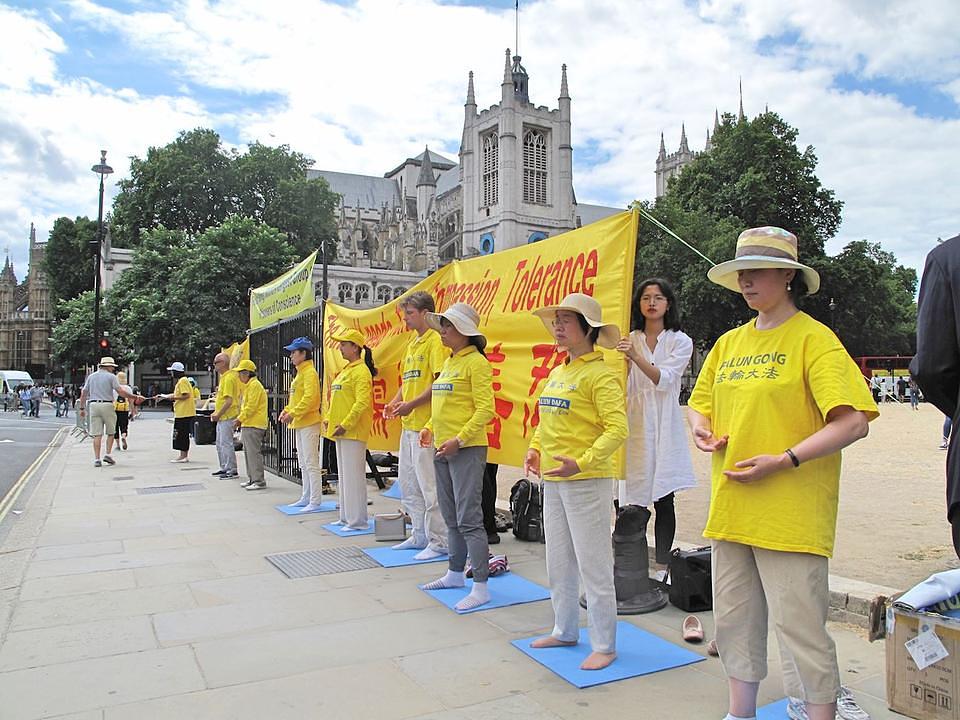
847,707
180,460
254,485
692,630
106,458
225,474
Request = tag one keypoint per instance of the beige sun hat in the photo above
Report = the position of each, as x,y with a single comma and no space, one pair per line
590,310
463,317
759,248
107,362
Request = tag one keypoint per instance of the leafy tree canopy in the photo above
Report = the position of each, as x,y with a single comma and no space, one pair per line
69,257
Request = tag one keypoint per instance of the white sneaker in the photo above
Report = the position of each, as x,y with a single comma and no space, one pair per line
180,460
847,707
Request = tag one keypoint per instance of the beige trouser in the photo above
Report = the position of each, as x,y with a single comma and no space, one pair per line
749,583
252,439
103,418
352,483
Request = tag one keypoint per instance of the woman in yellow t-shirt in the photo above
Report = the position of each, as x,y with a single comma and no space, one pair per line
776,401
583,421
348,422
184,411
461,405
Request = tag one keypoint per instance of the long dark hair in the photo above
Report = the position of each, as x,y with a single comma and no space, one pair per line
671,320
589,330
368,359
477,343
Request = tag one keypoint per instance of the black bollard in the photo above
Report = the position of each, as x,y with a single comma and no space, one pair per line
636,592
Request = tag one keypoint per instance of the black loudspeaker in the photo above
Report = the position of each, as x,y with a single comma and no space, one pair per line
691,580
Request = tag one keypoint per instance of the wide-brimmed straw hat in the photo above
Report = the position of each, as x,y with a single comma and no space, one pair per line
759,248
590,310
350,335
463,317
107,362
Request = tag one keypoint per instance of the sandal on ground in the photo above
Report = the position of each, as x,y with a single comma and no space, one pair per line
692,629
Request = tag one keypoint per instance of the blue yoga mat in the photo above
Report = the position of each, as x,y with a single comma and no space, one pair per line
505,590
638,653
393,491
328,506
388,557
774,711
343,532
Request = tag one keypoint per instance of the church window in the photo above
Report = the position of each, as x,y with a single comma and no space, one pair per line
344,292
535,167
362,294
491,169
383,294
398,291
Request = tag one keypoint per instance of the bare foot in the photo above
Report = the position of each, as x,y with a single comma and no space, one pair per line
550,641
598,661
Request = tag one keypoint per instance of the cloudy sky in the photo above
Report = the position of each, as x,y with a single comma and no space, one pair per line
873,85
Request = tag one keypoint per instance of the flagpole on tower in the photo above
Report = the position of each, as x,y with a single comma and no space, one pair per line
516,44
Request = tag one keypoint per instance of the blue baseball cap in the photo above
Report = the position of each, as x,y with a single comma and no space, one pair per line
301,343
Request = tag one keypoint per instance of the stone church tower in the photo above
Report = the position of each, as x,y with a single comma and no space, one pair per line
516,166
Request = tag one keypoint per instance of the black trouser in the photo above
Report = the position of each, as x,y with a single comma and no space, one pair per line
664,528
181,433
123,423
488,500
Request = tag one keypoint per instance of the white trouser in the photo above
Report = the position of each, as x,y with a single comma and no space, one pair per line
576,519
226,453
418,487
308,455
352,483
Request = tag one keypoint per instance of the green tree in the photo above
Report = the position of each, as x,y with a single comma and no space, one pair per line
186,185
69,257
306,211
755,172
183,299
72,335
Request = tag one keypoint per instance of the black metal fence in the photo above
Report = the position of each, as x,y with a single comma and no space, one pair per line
273,370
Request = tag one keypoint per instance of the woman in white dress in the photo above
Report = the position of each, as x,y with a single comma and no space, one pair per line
658,456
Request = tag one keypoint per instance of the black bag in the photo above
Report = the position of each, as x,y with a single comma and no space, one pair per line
526,506
691,579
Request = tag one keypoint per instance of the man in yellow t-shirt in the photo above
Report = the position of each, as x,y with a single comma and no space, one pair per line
422,361
225,411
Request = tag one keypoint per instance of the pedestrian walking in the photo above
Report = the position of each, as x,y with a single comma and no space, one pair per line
658,454
184,412
125,411
96,402
776,401
583,422
349,418
422,361
461,404
302,414
252,422
225,411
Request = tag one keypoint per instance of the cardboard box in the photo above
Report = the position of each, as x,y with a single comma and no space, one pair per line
934,692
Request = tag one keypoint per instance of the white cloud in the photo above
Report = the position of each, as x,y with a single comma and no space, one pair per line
360,87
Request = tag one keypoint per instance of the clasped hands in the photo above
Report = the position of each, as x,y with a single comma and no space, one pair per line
567,468
753,468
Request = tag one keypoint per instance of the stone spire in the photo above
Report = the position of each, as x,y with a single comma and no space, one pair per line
663,148
741,116
471,99
8,275
564,91
507,76
709,144
716,120
426,176
684,147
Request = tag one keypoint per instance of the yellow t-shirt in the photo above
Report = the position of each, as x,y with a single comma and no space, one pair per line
423,359
768,390
183,408
196,393
229,388
304,404
253,408
583,415
351,403
462,401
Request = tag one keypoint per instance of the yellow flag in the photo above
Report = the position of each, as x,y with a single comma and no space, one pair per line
504,288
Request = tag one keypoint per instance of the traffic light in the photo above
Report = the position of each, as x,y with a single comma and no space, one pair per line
104,345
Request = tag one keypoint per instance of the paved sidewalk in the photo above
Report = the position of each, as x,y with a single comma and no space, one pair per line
119,605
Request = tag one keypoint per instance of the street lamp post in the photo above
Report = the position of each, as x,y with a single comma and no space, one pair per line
101,169
833,308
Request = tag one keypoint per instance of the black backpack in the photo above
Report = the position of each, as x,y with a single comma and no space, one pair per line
526,505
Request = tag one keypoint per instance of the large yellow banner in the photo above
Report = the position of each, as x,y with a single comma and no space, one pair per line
286,296
504,288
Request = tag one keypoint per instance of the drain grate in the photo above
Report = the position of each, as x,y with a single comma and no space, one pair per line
309,563
157,489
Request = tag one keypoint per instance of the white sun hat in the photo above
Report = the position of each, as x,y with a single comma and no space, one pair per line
463,317
591,311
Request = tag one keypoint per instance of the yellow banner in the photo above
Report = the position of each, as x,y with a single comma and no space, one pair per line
286,296
504,288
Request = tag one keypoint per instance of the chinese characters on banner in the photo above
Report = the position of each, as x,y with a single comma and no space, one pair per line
504,288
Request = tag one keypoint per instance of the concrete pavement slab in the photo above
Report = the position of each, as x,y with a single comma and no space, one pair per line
65,585
516,707
98,683
60,552
66,643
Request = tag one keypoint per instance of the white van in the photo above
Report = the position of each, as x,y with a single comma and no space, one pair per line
11,379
